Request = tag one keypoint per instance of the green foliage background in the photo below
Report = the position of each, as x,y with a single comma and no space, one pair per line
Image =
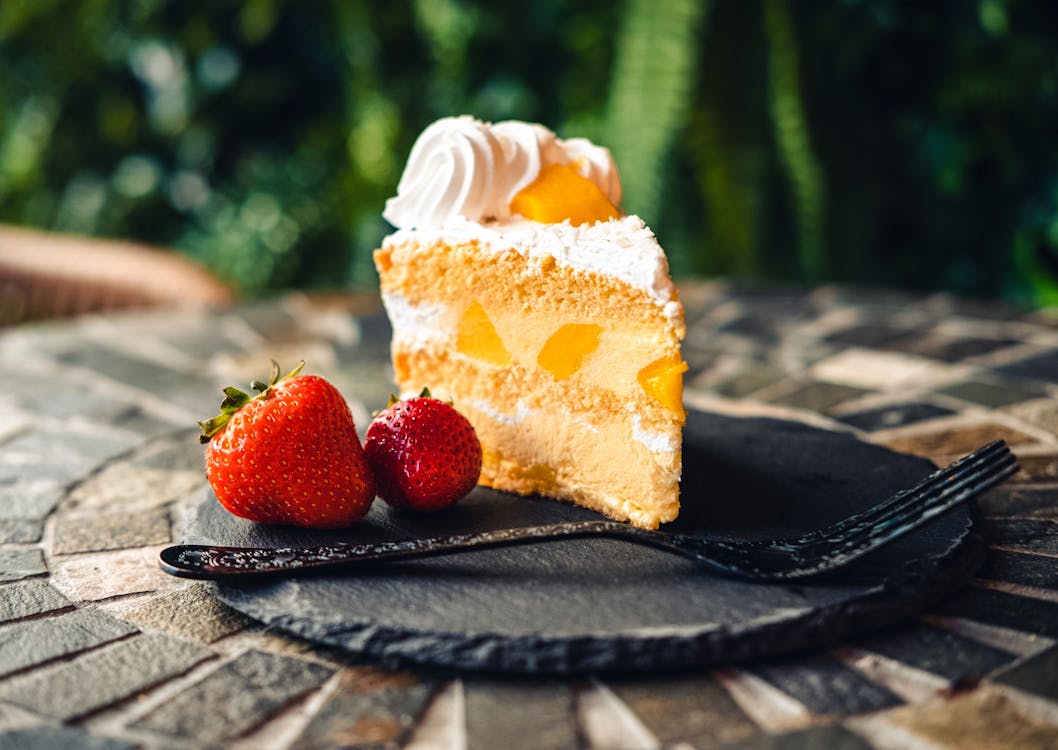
879,142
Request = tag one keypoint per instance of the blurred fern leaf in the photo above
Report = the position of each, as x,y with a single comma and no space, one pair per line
650,95
803,171
726,143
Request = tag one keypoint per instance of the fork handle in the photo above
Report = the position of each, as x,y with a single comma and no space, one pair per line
216,562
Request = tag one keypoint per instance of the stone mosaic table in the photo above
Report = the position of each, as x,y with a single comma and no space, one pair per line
99,464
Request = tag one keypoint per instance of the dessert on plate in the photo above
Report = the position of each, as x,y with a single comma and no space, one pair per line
517,288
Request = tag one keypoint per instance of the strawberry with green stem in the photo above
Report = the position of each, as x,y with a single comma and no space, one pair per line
289,454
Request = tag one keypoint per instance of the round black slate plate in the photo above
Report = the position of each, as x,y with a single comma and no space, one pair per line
603,605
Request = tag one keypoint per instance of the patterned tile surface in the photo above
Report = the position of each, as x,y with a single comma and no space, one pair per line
98,649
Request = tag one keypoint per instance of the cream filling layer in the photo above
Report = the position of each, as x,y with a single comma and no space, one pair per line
522,413
418,327
658,442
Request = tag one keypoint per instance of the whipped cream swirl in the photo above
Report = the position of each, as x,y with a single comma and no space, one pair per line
462,168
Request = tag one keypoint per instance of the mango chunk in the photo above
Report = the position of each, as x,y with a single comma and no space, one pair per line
476,337
662,380
565,352
561,193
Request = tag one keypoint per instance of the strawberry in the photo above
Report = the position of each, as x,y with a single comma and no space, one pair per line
288,455
424,454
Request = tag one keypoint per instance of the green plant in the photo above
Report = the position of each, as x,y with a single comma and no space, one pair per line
881,142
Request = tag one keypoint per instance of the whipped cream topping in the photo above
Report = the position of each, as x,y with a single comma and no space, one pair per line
463,168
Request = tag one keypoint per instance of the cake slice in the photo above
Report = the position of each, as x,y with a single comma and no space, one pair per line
554,327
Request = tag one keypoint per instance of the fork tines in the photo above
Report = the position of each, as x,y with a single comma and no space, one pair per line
907,510
936,493
970,472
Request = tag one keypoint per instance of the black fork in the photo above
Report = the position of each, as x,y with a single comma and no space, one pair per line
811,554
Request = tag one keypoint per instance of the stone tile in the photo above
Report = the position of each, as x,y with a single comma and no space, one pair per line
892,416
82,449
757,327
1042,413
1027,534
234,698
188,390
21,469
21,530
943,445
778,299
869,335
114,673
58,738
825,686
705,345
1038,467
700,296
82,532
203,339
767,297
816,396
13,421
369,707
193,613
884,371
135,419
16,564
1037,674
127,486
1042,367
375,332
58,395
27,644
990,395
1010,499
13,717
29,499
270,319
180,453
28,599
63,397
940,652
1022,613
832,737
986,309
1025,570
107,574
694,710
153,323
750,381
371,383
504,713
877,302
980,720
955,349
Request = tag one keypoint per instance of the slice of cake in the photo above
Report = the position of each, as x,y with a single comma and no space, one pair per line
517,289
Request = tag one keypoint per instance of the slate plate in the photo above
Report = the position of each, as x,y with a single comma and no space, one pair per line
609,606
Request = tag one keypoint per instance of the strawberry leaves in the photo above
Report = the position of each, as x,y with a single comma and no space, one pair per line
234,399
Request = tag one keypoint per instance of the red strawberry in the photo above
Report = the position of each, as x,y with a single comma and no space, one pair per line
288,455
425,455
